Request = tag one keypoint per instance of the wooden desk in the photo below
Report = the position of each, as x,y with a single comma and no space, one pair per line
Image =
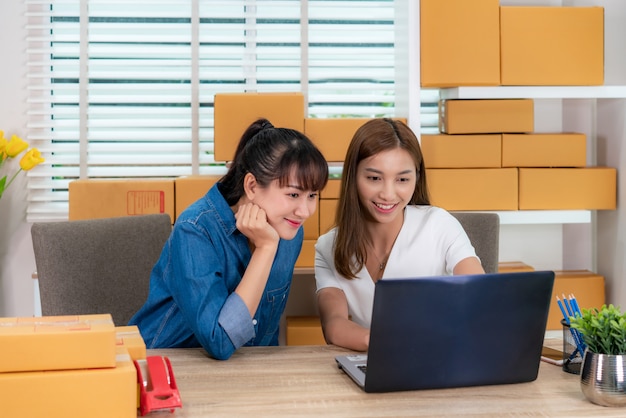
289,381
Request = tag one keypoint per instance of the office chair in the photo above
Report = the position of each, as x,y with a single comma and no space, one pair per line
98,265
483,230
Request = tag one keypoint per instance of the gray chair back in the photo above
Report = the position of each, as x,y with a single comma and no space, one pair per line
483,230
99,265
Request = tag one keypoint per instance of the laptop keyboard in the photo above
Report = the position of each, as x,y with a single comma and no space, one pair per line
363,368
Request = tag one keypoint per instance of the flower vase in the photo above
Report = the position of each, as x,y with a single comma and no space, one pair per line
603,378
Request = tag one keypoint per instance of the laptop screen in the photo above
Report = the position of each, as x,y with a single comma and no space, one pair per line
453,331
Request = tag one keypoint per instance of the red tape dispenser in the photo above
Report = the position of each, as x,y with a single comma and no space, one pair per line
157,385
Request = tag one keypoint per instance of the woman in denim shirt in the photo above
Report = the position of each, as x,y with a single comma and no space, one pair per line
224,274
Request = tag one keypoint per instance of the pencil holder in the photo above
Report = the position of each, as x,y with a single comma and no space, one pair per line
572,359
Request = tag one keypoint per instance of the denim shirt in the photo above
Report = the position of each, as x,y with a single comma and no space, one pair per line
192,300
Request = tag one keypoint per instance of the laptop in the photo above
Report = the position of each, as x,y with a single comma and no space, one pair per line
454,331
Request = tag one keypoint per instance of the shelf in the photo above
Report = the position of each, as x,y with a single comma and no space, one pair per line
534,92
525,217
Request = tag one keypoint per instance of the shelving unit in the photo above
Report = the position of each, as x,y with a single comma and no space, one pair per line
535,92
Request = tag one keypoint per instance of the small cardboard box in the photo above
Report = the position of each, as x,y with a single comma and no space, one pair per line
328,210
513,267
484,116
551,46
473,188
307,254
588,287
94,198
592,188
130,338
462,151
104,392
332,136
304,330
57,342
459,43
544,150
188,189
332,189
234,112
311,226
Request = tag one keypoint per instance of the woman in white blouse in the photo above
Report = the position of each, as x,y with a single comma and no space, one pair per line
385,227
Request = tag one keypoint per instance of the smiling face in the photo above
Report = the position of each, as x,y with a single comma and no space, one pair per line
286,207
385,183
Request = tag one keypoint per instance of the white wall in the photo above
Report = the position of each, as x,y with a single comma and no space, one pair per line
16,254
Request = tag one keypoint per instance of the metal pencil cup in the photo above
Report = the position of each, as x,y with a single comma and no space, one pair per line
572,359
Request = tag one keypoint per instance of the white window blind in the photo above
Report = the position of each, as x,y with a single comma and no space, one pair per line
120,89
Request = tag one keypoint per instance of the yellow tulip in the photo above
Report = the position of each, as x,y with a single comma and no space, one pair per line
31,159
3,145
15,146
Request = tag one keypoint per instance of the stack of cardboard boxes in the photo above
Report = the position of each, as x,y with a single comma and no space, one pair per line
66,366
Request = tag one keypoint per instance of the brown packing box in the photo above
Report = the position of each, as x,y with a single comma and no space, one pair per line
95,198
483,116
586,286
304,330
234,112
130,338
462,151
473,188
103,392
328,210
332,136
567,188
552,46
544,150
513,267
332,189
459,43
307,254
57,342
188,189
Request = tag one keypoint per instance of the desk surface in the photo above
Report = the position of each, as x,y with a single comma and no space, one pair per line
288,381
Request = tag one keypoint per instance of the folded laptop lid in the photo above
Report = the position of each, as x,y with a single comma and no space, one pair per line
454,331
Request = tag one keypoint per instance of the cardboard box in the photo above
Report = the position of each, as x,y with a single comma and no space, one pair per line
307,254
567,188
332,189
552,46
106,392
513,267
311,226
304,330
544,150
94,198
332,136
328,210
57,342
234,112
130,338
473,188
484,116
462,151
459,43
588,287
188,189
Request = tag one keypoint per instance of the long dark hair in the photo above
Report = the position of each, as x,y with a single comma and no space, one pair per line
375,136
270,153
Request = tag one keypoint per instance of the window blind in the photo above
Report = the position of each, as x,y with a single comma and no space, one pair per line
120,89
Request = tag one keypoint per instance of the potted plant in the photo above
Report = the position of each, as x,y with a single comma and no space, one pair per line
603,373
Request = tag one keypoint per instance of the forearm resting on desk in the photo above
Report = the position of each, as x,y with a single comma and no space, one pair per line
337,327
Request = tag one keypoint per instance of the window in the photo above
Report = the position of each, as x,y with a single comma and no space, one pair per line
122,89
